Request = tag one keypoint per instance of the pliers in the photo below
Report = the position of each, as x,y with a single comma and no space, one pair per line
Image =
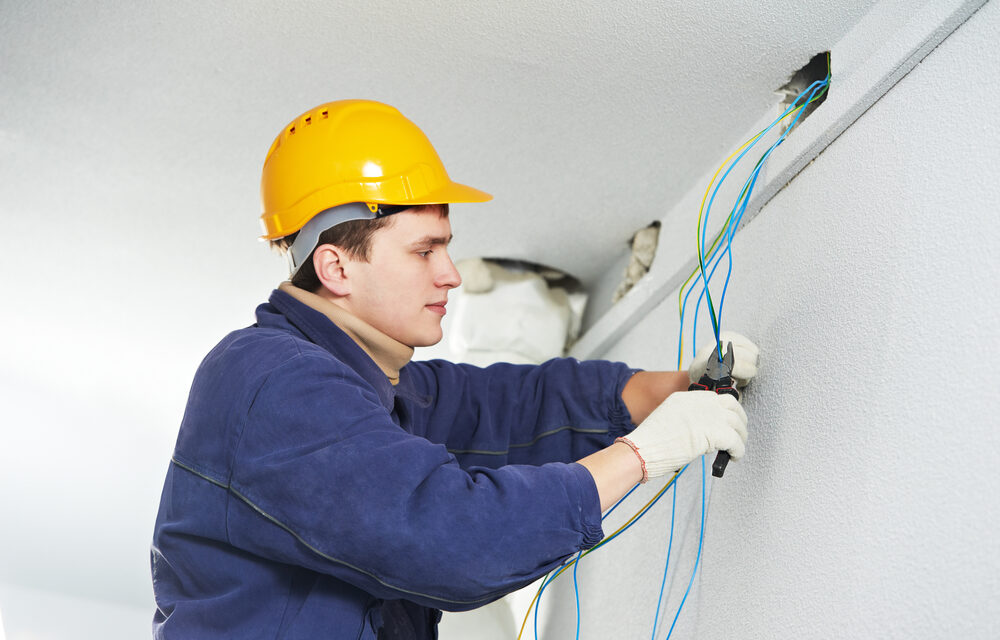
718,377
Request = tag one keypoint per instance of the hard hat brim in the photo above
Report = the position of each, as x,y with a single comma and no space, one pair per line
450,193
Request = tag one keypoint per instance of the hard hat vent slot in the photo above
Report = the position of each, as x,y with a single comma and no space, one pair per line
325,113
309,120
291,130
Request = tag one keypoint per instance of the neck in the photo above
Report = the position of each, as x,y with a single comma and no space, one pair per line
388,353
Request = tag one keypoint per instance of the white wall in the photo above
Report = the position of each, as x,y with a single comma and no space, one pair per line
43,614
867,504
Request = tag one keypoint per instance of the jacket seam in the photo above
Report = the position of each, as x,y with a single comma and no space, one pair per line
316,551
531,443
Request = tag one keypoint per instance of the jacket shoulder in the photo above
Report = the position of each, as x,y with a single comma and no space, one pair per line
227,384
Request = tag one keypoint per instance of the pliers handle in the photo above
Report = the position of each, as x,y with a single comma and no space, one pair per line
718,377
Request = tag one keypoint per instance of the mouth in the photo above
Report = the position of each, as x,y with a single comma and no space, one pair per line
438,307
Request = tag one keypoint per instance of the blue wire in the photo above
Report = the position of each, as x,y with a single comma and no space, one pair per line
622,499
670,545
723,250
728,251
740,208
694,333
575,587
811,90
732,165
548,579
749,186
701,540
576,591
704,229
646,510
717,254
538,601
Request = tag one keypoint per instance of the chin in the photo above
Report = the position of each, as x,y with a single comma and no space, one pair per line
426,340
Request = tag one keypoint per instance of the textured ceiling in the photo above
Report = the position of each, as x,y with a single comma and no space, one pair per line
131,140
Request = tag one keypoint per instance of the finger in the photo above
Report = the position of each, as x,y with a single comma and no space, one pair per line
735,416
744,370
738,425
741,343
729,440
730,403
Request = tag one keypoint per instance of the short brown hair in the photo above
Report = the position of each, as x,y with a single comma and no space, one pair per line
354,237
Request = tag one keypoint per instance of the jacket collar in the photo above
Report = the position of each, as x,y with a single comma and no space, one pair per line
318,328
388,353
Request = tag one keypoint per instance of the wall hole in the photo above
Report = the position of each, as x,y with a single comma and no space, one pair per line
815,70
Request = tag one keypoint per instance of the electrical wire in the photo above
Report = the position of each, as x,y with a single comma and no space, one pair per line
576,586
703,213
576,592
752,181
622,529
739,209
620,500
697,559
670,546
715,253
812,93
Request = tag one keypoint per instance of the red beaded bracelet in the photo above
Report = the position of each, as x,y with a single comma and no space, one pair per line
635,449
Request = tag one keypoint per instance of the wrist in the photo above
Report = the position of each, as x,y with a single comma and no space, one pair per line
615,469
647,389
634,451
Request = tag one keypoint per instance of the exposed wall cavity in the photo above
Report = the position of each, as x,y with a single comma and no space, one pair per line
643,250
815,71
510,311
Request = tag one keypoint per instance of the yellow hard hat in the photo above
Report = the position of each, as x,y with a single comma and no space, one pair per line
351,151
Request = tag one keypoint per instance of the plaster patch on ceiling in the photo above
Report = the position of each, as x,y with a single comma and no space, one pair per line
643,246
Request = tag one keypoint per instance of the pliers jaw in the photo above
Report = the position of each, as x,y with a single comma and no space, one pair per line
718,376
720,370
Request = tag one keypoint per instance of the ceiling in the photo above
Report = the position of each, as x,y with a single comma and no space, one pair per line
131,141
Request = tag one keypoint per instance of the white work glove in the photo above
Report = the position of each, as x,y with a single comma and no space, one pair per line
686,425
745,354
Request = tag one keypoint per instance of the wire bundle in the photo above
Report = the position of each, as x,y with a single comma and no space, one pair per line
796,110
721,247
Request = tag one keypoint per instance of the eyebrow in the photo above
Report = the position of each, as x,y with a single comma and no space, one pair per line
431,241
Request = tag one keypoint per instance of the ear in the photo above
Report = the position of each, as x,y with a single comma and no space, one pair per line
329,262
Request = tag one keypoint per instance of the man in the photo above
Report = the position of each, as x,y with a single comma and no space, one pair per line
323,486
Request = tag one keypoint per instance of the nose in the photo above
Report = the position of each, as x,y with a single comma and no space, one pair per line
448,277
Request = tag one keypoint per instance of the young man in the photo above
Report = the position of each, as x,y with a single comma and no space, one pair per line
323,486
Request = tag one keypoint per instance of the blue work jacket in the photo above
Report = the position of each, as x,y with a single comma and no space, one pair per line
309,498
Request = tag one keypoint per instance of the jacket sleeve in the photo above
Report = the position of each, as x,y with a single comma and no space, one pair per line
559,411
323,478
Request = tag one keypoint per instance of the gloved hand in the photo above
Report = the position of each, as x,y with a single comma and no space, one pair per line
745,354
686,425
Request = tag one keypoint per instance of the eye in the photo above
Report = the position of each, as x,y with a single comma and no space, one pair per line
424,254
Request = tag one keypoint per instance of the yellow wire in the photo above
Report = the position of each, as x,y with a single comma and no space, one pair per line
594,548
701,209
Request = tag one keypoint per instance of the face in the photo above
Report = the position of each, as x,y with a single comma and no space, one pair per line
402,290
